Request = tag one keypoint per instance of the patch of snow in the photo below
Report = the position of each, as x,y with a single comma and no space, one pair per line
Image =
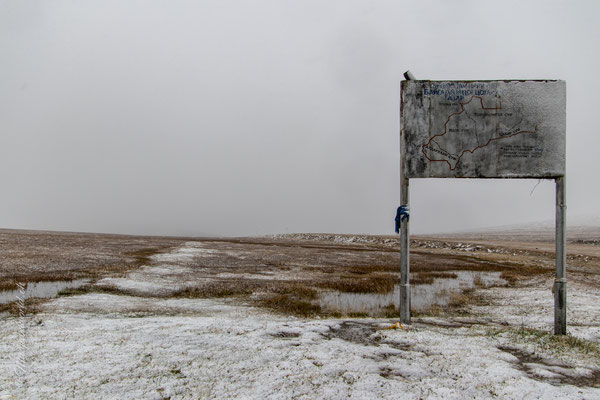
139,286
188,251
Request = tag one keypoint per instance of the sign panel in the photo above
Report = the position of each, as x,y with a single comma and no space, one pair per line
483,129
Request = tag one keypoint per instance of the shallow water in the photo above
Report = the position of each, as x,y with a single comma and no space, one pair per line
422,296
40,290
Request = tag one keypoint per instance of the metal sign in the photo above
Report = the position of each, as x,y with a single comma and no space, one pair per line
483,129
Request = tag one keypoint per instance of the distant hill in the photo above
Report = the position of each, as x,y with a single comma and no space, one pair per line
581,229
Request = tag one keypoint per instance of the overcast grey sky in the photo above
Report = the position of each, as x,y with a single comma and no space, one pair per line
251,117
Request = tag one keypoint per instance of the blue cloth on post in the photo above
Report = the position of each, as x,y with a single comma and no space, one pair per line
402,213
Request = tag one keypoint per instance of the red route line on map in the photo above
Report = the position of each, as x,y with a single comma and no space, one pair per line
462,106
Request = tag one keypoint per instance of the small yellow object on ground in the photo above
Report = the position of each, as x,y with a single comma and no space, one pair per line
397,325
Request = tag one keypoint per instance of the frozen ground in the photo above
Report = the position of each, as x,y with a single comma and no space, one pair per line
106,347
142,344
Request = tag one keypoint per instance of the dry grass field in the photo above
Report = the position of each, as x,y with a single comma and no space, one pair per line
285,272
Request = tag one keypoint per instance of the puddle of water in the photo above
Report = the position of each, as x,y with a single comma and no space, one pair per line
422,296
40,290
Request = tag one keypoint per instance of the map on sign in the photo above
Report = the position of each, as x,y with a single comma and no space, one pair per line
490,129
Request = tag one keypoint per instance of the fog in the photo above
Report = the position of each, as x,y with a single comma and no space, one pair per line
244,118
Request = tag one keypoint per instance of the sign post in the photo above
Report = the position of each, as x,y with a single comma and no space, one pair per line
404,256
560,283
404,237
484,129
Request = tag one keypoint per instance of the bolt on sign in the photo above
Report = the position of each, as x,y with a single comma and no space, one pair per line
486,129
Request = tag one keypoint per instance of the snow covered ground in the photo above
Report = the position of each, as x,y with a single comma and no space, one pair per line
116,346
101,346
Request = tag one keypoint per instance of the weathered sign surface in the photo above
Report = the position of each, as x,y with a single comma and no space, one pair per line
483,129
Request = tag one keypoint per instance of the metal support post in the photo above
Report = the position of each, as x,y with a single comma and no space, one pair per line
404,256
560,283
404,236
